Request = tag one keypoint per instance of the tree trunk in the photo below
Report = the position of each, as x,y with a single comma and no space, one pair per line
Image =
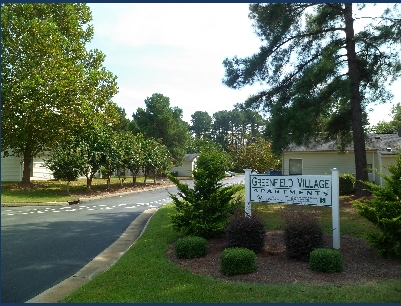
26,173
133,179
361,173
88,182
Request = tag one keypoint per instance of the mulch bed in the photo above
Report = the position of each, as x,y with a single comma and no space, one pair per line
362,264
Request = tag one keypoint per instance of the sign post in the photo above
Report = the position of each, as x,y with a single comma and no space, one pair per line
335,207
247,192
317,190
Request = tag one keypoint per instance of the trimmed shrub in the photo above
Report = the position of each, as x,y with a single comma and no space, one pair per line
302,234
326,260
346,184
246,232
235,261
191,247
205,209
384,211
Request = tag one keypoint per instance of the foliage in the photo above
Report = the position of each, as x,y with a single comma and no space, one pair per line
157,158
233,129
204,210
384,211
257,156
235,261
134,154
51,83
112,155
201,124
191,247
158,280
326,260
319,73
346,183
393,126
160,121
246,232
66,162
302,233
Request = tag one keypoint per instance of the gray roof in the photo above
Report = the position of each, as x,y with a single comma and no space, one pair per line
384,143
190,157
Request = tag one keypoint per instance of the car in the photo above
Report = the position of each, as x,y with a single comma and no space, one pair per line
228,173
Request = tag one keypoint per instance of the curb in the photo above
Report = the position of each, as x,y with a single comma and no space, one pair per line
99,264
84,199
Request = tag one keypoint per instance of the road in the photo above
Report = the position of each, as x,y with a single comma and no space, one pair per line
41,246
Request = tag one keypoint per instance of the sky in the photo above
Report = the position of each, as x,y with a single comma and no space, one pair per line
177,49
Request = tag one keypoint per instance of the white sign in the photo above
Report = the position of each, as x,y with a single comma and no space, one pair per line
322,190
303,189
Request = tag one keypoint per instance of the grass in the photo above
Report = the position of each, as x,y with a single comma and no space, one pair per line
144,274
56,191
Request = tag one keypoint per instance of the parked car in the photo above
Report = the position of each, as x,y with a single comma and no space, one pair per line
229,173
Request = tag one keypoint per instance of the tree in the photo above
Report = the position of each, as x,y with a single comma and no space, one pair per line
160,121
93,144
393,126
257,156
384,211
201,124
50,81
66,162
134,154
157,158
112,155
123,122
234,128
320,75
204,210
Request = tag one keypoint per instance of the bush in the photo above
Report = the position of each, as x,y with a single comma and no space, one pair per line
191,247
384,211
302,234
346,184
235,261
246,232
326,260
204,210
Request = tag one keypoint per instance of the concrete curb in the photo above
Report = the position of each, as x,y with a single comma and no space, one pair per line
85,199
99,264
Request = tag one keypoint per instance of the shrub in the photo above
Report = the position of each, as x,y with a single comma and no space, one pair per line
204,210
384,211
302,233
246,232
346,184
235,261
191,247
326,260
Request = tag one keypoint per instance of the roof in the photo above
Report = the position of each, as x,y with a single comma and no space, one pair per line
383,143
190,157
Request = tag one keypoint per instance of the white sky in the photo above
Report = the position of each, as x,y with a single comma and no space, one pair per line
177,49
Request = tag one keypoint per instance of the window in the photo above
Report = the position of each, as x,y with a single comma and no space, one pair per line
369,168
295,166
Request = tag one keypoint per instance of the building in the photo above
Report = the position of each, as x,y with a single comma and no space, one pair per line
187,166
318,158
12,168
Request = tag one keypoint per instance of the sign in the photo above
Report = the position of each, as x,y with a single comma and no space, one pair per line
305,189
321,190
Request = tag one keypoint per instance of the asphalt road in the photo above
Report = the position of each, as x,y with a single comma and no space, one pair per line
42,246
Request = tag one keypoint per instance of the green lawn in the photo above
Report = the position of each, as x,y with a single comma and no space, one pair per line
56,191
144,274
